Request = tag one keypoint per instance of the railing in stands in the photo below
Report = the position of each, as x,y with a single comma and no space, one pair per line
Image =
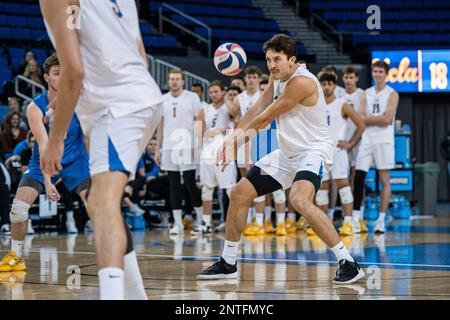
162,18
326,30
34,86
160,69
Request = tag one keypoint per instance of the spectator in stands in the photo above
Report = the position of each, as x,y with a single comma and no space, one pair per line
232,92
264,77
12,134
238,81
14,106
25,154
23,65
5,185
34,73
23,146
263,85
199,90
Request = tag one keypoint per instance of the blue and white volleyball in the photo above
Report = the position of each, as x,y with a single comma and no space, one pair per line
230,59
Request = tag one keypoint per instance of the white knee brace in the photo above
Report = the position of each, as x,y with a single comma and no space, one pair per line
279,196
207,193
260,199
346,195
19,211
322,198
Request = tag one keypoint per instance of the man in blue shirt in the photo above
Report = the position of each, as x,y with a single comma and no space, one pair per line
74,173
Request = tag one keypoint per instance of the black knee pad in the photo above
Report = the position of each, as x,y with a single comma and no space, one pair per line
360,178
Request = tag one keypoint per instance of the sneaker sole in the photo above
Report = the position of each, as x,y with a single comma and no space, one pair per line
378,231
360,275
218,276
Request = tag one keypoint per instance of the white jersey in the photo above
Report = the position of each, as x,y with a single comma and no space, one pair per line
246,101
304,129
179,117
376,105
336,122
215,119
115,77
339,92
353,99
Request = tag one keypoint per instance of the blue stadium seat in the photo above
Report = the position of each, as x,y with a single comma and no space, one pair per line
423,38
409,16
5,33
34,22
17,21
146,29
444,26
402,38
15,8
3,108
3,20
22,34
18,53
5,75
3,63
428,26
407,26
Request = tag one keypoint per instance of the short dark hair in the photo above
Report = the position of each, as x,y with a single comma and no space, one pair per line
197,85
350,70
50,62
264,82
330,69
216,83
253,70
327,77
239,78
281,43
235,88
380,64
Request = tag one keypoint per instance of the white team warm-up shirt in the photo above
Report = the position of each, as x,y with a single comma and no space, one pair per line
179,118
304,129
115,77
215,119
352,99
376,105
336,122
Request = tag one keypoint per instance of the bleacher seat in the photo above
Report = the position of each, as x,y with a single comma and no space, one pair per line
5,75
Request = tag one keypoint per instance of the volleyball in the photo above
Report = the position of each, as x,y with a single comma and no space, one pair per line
230,59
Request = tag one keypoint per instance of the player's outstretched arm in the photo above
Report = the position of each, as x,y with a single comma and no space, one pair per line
34,117
355,117
68,51
386,118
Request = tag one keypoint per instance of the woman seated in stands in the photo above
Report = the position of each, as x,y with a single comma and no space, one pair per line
12,134
34,73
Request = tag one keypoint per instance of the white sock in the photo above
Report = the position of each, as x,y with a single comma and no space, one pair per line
177,218
133,285
330,214
291,216
382,216
230,250
348,219
260,218
249,216
341,252
111,283
199,212
268,213
280,217
69,215
17,247
356,215
207,219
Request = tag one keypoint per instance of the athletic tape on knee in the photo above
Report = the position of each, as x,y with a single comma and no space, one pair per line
346,195
260,199
19,211
322,197
207,193
279,196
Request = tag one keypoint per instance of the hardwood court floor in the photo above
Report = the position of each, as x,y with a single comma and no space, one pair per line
411,261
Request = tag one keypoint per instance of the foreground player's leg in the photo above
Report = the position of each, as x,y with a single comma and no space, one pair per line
385,196
302,197
110,239
19,216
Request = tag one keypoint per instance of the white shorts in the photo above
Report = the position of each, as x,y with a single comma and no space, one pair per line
178,160
383,154
340,168
283,169
353,154
212,176
117,144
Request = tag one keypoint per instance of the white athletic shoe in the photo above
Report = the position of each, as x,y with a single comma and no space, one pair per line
136,210
176,230
4,230
30,228
88,226
71,227
379,226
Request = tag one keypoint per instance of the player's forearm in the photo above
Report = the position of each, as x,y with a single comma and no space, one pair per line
159,135
378,121
66,101
357,135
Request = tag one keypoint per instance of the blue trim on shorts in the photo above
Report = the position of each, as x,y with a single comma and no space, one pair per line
115,164
320,174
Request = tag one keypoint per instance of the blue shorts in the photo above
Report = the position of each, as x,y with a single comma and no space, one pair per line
72,174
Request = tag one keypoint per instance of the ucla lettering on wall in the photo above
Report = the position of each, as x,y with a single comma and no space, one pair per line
416,70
